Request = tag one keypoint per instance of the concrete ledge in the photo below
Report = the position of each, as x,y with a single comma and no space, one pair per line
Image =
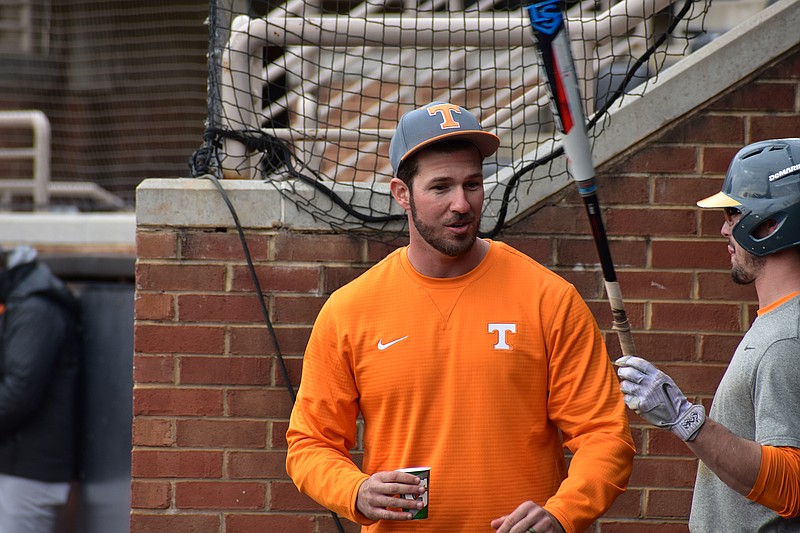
67,229
196,202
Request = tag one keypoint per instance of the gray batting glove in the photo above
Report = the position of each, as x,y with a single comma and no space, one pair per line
654,396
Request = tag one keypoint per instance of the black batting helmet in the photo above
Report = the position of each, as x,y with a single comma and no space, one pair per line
763,182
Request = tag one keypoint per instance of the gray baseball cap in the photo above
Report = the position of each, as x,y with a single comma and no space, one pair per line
434,122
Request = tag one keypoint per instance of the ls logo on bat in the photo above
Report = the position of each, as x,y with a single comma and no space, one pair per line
546,16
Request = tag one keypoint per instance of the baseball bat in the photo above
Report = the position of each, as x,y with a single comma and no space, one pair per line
558,68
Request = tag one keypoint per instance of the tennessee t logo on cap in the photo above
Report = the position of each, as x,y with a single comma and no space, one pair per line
446,111
434,122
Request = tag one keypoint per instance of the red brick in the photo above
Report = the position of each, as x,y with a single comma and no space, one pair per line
178,339
706,128
647,222
376,250
695,316
172,523
621,189
711,221
316,248
296,309
662,442
291,340
668,254
627,505
662,159
716,160
152,432
335,277
261,403
220,495
583,251
588,282
180,277
177,402
637,433
658,346
720,286
277,278
670,473
684,190
773,127
655,285
718,348
176,464
278,432
668,503
155,245
223,246
539,249
226,370
259,523
154,307
556,220
150,495
294,367
284,496
256,465
153,369
233,433
758,96
216,307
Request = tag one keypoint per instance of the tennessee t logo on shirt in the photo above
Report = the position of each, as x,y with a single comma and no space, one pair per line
502,330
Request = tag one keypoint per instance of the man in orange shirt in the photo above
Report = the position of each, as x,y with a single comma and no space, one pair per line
749,446
461,354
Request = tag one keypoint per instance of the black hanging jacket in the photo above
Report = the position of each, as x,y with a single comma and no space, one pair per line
40,357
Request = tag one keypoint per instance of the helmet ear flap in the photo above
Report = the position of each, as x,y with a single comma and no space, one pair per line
752,233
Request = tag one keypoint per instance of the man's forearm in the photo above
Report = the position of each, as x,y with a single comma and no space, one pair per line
735,461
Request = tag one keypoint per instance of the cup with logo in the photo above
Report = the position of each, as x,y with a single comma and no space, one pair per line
424,474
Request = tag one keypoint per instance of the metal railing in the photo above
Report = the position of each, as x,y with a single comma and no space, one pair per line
40,186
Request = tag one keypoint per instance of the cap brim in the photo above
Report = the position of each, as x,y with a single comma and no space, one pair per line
486,142
719,200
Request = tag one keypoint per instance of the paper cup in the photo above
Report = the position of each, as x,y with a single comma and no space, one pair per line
424,474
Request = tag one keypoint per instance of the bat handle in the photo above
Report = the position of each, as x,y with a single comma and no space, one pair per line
621,324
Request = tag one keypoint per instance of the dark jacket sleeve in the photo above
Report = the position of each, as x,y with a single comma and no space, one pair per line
34,332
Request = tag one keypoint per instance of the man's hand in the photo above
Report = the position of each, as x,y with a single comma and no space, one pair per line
654,396
381,496
525,518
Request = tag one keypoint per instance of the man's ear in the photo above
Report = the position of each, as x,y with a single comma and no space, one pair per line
401,193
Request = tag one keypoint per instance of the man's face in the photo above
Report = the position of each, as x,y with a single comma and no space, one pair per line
447,198
745,267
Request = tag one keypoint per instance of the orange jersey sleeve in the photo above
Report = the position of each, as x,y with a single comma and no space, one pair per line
778,484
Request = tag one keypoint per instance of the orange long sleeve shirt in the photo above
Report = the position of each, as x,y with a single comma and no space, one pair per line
477,376
778,483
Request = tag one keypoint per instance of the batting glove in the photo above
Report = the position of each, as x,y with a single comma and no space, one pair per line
654,396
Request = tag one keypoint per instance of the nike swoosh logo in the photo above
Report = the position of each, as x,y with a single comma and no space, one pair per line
748,347
382,346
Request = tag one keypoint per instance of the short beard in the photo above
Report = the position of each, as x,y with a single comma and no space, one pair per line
444,246
748,269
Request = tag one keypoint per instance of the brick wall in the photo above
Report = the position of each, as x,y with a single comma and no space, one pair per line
210,404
